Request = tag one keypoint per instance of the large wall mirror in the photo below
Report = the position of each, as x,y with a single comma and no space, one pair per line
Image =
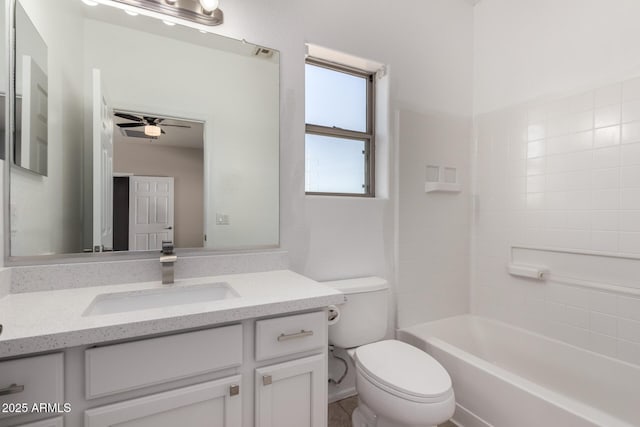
130,131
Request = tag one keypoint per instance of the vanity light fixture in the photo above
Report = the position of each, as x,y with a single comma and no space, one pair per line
90,2
152,130
202,12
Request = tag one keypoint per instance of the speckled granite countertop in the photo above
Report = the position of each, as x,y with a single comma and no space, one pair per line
43,321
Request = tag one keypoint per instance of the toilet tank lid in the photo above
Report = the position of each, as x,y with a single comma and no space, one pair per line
358,285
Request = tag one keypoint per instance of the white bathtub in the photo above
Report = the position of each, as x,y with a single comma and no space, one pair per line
509,377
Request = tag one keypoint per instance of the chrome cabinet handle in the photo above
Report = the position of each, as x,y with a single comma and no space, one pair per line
301,334
12,389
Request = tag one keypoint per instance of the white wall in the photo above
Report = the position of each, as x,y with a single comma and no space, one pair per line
47,209
525,49
558,165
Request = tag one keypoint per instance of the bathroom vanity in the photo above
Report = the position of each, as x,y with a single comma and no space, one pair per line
254,354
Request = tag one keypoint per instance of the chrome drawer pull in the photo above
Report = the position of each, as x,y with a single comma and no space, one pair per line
12,389
301,334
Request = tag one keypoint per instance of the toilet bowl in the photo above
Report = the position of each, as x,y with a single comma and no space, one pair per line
402,385
398,385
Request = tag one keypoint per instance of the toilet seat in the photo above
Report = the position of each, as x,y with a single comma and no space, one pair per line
404,371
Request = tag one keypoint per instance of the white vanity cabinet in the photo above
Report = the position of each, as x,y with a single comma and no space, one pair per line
292,393
269,372
214,403
27,382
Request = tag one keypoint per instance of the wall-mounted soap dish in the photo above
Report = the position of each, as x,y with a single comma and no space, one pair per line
442,179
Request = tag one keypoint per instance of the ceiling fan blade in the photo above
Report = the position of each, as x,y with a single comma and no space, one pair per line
128,117
163,132
130,125
175,126
151,120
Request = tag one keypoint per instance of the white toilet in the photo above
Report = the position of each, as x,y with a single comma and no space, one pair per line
398,385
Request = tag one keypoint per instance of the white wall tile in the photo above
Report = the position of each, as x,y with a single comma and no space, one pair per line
604,221
607,95
607,136
580,191
630,176
629,307
630,244
603,344
605,178
629,352
610,115
630,111
630,198
631,90
603,302
606,199
605,241
606,158
630,133
536,149
630,221
629,330
603,323
576,316
630,154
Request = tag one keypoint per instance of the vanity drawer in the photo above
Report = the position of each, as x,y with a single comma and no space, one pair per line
291,334
38,379
121,367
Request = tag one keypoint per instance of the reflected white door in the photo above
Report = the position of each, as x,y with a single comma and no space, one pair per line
150,212
35,117
102,167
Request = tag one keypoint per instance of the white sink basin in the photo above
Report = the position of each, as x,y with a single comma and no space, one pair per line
121,302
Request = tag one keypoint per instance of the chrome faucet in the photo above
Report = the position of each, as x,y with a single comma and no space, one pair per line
167,260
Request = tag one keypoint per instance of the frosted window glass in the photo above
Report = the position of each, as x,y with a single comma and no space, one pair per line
334,165
335,99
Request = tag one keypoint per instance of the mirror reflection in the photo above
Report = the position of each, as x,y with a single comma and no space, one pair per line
32,93
153,132
3,79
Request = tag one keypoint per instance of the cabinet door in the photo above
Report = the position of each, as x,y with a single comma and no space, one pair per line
292,394
214,403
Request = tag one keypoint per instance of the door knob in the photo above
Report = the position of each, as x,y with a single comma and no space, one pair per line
168,228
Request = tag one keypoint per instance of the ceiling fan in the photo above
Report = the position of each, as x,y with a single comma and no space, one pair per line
152,125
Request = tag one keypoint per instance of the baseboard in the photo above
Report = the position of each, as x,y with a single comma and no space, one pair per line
465,418
342,394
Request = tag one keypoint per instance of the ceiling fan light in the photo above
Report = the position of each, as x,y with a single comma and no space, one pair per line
209,5
152,130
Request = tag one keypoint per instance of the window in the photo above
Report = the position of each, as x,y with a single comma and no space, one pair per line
339,140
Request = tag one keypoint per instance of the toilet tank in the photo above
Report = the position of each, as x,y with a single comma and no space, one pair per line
363,317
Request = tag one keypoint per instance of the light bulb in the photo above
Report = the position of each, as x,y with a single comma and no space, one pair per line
209,5
90,2
151,130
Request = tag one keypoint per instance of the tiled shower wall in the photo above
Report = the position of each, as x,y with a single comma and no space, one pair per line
560,173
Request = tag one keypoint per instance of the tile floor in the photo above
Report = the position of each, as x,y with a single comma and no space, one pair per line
340,413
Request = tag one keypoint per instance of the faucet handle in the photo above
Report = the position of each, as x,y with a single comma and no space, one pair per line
167,247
